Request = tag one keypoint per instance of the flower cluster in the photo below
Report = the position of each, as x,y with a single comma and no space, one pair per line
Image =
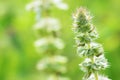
47,25
53,64
49,44
85,36
46,4
39,6
99,64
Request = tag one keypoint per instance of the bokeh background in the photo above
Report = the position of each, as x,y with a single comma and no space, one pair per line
18,56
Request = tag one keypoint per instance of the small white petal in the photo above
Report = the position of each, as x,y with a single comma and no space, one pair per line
42,64
59,43
41,42
60,59
33,5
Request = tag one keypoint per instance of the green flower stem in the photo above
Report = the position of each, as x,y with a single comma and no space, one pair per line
47,14
92,59
96,75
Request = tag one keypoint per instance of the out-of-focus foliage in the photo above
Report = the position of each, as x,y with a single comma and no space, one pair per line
18,57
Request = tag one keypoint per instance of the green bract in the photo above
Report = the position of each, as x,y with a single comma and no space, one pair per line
87,51
99,64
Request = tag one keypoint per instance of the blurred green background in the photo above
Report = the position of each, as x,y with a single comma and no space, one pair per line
18,57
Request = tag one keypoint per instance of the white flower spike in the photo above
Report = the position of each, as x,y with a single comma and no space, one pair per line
85,36
49,43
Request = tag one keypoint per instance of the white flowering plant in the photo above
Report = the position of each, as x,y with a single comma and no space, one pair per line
85,36
49,44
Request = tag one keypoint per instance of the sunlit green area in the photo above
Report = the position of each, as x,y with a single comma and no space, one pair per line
18,56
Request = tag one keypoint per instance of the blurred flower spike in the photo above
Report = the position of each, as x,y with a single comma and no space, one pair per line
48,43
